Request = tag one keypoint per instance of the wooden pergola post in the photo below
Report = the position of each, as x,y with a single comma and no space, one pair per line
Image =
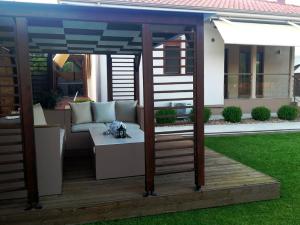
109,78
25,86
136,75
199,107
148,109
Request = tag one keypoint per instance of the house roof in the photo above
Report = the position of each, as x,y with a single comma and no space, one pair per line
245,6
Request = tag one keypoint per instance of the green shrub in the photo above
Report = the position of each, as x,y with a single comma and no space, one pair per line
169,113
207,114
261,113
80,100
287,112
48,99
232,114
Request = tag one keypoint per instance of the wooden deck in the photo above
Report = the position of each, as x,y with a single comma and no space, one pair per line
86,200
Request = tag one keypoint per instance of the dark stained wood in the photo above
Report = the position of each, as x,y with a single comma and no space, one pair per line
85,63
109,78
97,14
228,182
26,110
137,60
148,108
199,107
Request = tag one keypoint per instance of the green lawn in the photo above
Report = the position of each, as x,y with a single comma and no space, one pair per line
275,154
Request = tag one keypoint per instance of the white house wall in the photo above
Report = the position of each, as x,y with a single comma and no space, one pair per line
97,82
93,81
103,79
213,66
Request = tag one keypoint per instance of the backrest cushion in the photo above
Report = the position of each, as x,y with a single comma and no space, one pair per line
81,112
126,111
104,112
38,115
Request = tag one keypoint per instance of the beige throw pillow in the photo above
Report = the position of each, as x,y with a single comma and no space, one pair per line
126,111
104,112
38,115
81,112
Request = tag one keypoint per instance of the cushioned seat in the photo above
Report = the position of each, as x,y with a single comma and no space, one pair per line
129,126
84,127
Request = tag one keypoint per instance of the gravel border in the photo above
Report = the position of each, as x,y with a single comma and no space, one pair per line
250,121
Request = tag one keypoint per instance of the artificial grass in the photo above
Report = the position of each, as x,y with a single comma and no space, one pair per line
277,155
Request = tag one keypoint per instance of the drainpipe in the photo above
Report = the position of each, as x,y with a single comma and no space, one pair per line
253,71
291,73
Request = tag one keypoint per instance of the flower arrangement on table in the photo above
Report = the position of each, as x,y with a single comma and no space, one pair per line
117,129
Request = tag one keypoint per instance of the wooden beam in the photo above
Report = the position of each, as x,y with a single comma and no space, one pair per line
85,70
148,109
103,14
199,107
109,78
26,111
137,60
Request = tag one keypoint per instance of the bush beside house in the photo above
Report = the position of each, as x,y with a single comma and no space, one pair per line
232,114
261,113
165,116
207,114
287,112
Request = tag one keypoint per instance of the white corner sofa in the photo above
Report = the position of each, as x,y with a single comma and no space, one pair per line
49,144
83,116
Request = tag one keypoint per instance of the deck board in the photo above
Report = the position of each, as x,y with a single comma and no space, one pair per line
86,200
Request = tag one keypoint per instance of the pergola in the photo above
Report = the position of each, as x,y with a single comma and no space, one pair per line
40,28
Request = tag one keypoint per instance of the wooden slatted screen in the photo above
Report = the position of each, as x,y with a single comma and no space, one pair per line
123,84
12,183
173,92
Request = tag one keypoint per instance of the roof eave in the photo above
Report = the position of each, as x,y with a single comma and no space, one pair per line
240,13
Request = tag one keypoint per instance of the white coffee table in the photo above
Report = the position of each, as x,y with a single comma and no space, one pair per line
118,157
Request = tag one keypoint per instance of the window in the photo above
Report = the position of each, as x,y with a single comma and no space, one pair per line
259,72
244,72
172,57
71,77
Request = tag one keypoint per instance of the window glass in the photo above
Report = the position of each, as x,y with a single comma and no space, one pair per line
69,78
245,72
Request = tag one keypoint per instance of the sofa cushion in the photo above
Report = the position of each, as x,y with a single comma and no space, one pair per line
104,112
81,112
126,111
38,115
86,126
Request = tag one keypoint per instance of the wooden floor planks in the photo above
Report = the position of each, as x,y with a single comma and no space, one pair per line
85,200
